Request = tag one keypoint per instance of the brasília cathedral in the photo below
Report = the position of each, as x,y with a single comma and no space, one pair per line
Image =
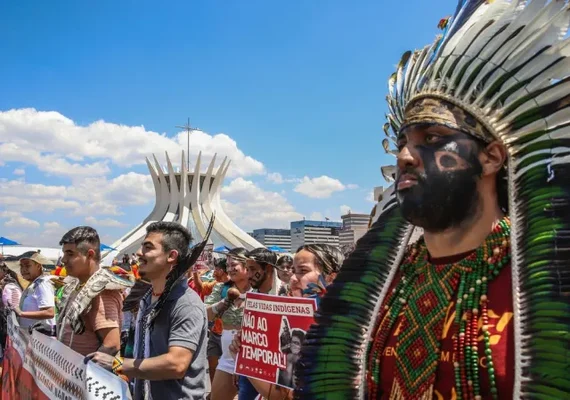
189,198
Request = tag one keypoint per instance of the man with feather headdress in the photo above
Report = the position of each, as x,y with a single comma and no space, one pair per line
478,307
171,329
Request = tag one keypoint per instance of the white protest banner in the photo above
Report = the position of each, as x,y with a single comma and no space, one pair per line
39,367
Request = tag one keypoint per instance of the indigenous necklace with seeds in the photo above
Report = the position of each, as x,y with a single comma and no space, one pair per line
423,295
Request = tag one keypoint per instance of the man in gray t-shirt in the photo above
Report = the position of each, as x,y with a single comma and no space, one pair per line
170,351
181,322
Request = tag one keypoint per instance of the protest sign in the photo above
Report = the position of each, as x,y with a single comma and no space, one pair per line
273,330
40,367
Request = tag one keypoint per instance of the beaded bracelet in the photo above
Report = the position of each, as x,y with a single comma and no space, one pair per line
117,365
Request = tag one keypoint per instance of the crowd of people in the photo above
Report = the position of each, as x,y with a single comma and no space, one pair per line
180,334
476,308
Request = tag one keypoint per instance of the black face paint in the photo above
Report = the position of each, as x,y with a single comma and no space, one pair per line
446,193
257,279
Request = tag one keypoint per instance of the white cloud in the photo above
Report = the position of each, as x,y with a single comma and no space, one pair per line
319,188
19,171
344,209
251,207
352,186
9,214
58,146
51,164
107,222
38,204
370,197
275,177
21,222
90,196
52,225
316,216
54,231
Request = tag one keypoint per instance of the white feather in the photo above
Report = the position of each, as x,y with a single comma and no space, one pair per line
554,29
424,67
489,41
551,95
416,67
476,30
561,133
530,32
546,161
462,33
495,54
544,72
556,119
455,45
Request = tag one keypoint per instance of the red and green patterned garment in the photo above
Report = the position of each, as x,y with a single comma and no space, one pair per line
409,340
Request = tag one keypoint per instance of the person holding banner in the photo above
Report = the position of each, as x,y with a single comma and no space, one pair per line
11,294
284,272
37,303
314,267
11,288
89,314
262,272
171,329
263,278
215,336
231,313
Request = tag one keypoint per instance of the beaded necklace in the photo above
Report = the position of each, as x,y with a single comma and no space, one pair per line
468,278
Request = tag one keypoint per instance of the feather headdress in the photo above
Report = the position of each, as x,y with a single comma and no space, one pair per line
507,65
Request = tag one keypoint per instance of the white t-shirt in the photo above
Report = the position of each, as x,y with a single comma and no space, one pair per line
40,295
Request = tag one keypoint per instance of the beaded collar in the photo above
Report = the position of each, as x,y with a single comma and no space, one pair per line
423,294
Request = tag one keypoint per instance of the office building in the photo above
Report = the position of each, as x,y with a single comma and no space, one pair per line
273,237
311,232
354,226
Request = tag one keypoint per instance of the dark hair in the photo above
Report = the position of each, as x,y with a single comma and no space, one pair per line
299,334
85,238
174,236
10,276
286,259
263,257
222,264
328,258
238,253
503,189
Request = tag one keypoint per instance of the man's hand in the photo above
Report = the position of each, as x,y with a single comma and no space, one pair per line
17,311
102,359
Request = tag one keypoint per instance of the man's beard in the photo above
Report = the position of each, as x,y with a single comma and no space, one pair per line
441,200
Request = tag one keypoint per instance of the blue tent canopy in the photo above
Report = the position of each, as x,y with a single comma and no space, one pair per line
104,247
221,249
276,249
7,242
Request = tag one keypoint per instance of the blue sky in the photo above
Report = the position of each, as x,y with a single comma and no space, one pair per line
299,86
